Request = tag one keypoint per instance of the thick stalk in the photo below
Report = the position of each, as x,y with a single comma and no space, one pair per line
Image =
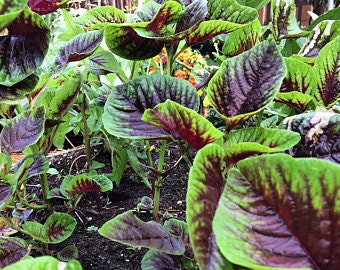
86,132
159,180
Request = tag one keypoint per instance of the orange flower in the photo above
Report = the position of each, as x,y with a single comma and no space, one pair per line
180,74
192,81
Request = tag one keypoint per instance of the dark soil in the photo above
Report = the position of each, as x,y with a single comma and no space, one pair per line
95,251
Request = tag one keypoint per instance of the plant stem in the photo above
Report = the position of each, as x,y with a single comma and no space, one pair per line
259,118
86,132
159,180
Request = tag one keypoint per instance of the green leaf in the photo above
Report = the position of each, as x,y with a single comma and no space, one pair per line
23,130
184,122
119,158
319,135
155,260
322,34
124,41
242,39
327,66
12,249
57,228
68,253
127,102
246,83
205,187
103,61
333,14
24,48
129,230
257,4
294,99
80,47
44,263
9,10
284,21
99,17
287,210
58,100
71,30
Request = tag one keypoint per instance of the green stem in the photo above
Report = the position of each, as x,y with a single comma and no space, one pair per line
159,180
148,153
259,118
86,132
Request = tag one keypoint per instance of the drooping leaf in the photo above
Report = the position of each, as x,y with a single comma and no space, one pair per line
39,165
23,130
127,102
242,39
246,83
24,48
183,122
178,228
319,135
333,14
287,210
80,47
127,229
284,20
71,29
68,253
9,10
327,66
155,260
169,12
99,17
223,17
57,228
294,99
300,77
204,191
12,249
322,34
125,42
59,99
44,263
43,7
82,183
16,92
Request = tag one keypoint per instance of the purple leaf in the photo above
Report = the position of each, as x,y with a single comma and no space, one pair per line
22,131
43,7
80,47
129,230
5,193
40,165
155,260
12,249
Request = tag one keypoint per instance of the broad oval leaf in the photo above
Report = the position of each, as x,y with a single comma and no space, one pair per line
99,17
184,122
327,65
246,83
204,191
127,102
23,130
277,211
68,253
57,228
319,135
43,7
155,260
24,48
12,249
81,183
127,229
295,99
80,47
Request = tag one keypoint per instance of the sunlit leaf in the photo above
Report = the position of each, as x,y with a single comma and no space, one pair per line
204,191
127,229
287,210
257,4
246,83
183,122
57,228
71,29
127,102
295,99
319,135
9,10
333,14
23,130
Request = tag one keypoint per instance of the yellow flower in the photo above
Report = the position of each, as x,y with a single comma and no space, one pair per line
206,102
200,92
